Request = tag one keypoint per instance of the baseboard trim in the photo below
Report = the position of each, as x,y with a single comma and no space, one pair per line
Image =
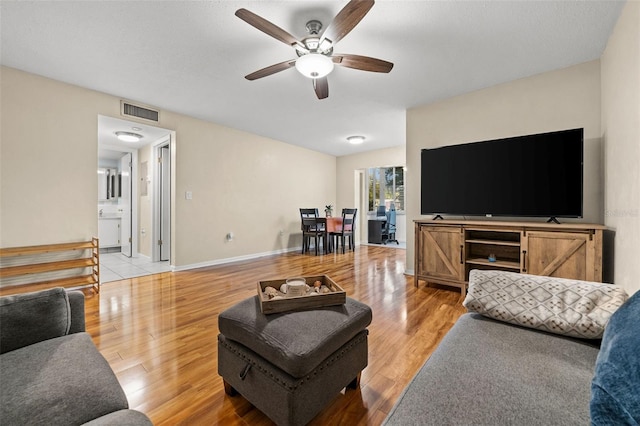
232,259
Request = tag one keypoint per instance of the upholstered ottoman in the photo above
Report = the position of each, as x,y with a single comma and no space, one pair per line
290,365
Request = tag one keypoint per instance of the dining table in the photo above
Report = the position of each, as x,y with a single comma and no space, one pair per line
332,225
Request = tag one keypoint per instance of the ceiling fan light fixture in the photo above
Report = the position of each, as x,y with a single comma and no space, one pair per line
314,65
325,45
356,140
128,136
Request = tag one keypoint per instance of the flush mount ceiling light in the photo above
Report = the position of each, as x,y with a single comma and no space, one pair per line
356,140
314,65
128,136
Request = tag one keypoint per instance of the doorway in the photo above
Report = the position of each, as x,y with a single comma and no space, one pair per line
131,254
360,200
116,202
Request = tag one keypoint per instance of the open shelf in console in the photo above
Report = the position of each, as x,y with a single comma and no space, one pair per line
492,249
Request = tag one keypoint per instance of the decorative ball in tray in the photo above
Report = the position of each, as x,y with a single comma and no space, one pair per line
293,294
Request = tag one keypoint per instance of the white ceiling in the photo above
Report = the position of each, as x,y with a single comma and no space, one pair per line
191,57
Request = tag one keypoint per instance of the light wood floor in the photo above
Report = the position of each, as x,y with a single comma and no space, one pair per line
159,334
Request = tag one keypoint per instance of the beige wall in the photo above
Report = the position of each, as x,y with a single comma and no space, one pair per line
621,132
241,183
563,99
348,165
48,160
244,184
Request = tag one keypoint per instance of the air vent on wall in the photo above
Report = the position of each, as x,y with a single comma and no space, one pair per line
127,109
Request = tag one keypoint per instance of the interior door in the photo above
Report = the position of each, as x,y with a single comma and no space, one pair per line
165,203
125,204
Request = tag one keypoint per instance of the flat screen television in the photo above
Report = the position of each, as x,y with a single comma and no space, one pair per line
530,176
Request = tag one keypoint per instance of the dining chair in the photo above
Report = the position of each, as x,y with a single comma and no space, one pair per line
309,212
312,227
306,214
347,229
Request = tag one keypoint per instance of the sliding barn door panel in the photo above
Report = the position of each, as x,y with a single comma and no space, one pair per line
441,254
562,254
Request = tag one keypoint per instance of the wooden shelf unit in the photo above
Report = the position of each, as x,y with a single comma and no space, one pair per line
32,264
481,244
446,250
493,242
494,264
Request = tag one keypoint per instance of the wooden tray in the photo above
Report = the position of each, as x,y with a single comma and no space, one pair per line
337,296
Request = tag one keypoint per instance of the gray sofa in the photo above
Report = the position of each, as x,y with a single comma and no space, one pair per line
525,354
50,370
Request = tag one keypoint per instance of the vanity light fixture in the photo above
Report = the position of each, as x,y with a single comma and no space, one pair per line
356,140
128,136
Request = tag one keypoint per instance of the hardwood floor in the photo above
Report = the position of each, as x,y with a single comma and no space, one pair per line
159,334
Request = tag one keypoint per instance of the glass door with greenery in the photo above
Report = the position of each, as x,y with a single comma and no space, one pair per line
386,187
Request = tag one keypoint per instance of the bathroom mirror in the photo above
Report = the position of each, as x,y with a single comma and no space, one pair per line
108,184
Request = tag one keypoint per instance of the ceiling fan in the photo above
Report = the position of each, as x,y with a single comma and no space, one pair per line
315,52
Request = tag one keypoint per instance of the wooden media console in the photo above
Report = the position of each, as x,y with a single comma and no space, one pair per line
446,250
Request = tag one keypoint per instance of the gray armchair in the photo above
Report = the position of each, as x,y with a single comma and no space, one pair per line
51,371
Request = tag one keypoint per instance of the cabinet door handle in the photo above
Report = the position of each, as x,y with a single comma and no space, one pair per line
524,256
461,260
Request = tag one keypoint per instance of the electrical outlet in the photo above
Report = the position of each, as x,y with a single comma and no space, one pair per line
188,195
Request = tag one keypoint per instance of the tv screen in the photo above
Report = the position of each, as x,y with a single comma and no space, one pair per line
534,176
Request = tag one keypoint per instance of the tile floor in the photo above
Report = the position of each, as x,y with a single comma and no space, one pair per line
115,266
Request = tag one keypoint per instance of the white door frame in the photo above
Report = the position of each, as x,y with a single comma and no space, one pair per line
155,196
126,186
359,191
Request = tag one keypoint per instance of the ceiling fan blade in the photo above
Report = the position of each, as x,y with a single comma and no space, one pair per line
321,86
267,27
346,20
272,69
364,63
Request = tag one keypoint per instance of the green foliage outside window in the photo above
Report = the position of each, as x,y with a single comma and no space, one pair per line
386,187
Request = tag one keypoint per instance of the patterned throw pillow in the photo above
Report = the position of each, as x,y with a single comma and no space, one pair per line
569,307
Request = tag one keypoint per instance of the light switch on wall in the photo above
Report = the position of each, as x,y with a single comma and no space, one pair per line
188,195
